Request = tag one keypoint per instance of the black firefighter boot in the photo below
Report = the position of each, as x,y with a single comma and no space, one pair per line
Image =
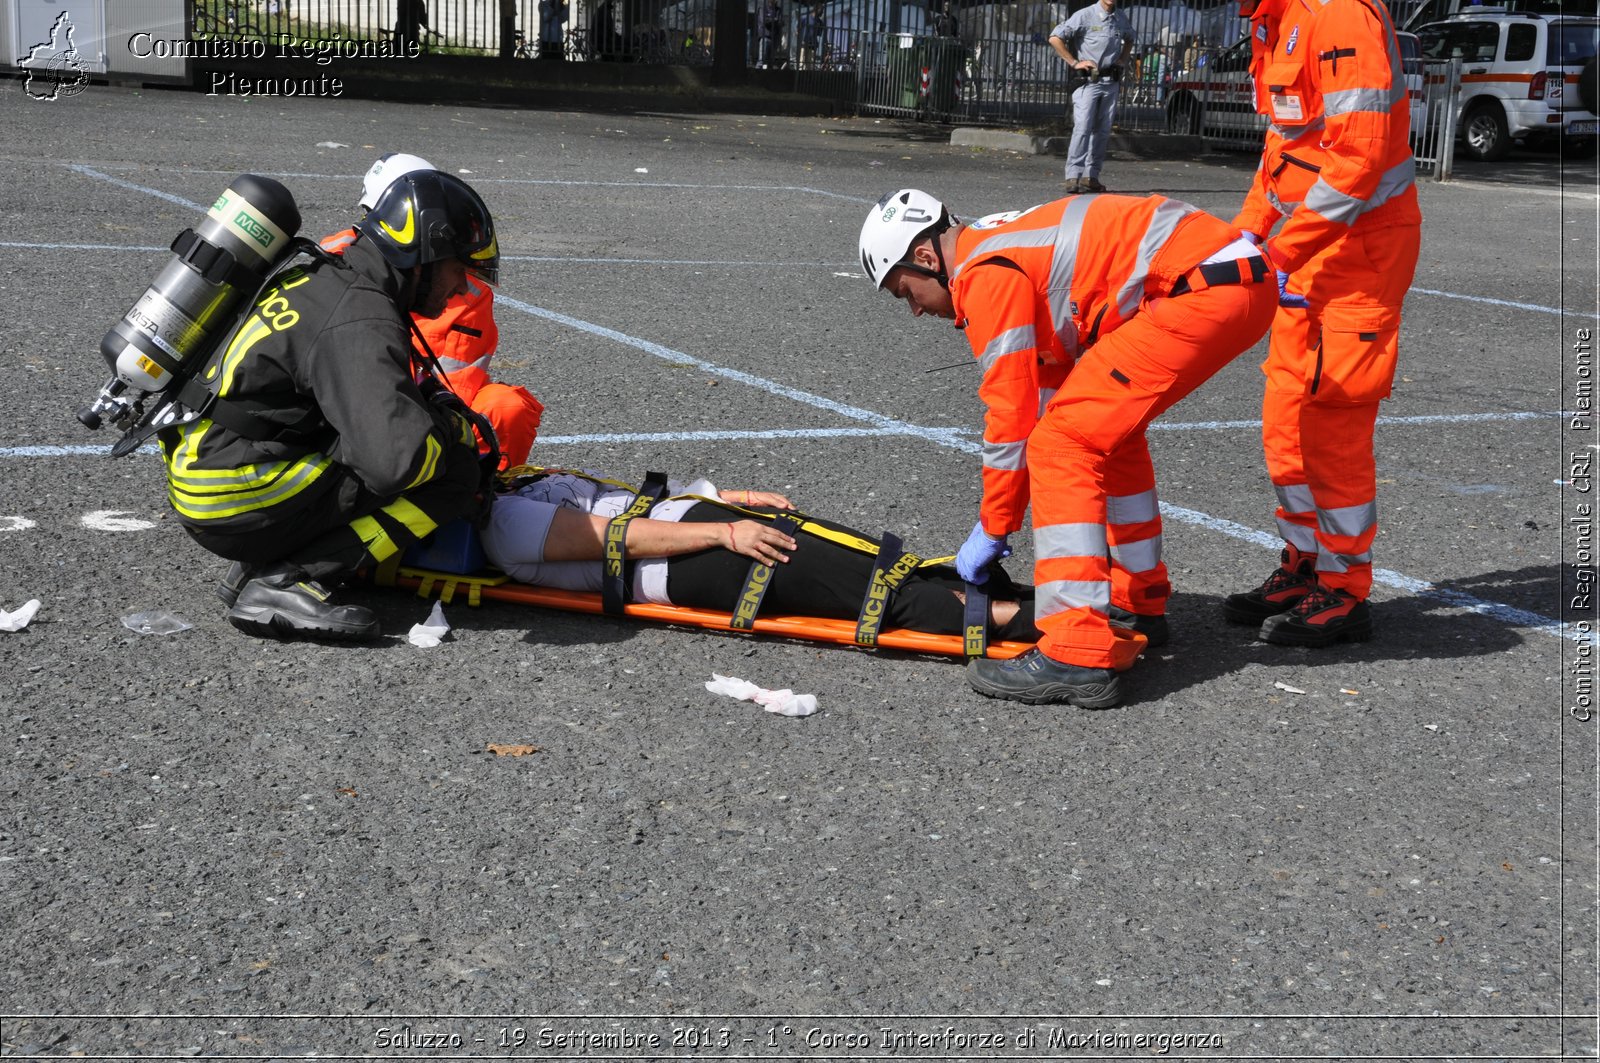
282,602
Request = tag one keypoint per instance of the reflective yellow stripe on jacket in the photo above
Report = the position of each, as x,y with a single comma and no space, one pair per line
216,494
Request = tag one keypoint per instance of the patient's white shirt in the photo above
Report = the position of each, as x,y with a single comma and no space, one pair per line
519,523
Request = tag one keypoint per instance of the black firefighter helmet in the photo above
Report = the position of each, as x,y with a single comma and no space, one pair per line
430,216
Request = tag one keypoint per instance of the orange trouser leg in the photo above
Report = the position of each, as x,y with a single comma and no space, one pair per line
1290,357
514,414
1133,531
1094,425
1327,370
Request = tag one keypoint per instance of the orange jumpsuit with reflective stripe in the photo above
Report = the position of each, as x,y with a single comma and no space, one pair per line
464,338
1338,166
1067,308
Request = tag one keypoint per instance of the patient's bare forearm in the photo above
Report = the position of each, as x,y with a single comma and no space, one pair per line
581,537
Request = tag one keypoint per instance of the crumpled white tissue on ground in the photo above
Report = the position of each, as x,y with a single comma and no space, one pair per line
432,632
782,702
18,619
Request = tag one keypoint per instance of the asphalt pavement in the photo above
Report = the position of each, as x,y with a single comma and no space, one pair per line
222,847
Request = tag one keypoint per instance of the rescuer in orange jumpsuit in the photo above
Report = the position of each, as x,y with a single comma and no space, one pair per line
1090,316
464,337
1337,165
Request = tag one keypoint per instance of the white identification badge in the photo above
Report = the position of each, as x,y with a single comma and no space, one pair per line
1287,109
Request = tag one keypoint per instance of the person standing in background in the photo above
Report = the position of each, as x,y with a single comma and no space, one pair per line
1095,43
553,15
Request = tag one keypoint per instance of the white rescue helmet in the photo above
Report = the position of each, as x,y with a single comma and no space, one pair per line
894,225
390,167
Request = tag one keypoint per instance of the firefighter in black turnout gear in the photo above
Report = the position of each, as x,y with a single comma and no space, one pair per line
342,458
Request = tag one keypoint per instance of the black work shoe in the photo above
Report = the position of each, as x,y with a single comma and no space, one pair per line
1293,579
281,603
233,582
1040,680
1076,185
1320,618
1093,184
1153,628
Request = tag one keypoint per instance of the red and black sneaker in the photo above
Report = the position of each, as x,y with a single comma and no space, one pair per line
1320,618
1291,581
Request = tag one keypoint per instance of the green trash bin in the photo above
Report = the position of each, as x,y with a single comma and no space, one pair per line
907,56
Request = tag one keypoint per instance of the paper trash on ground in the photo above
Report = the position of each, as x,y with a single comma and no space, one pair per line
18,619
1281,685
432,632
782,702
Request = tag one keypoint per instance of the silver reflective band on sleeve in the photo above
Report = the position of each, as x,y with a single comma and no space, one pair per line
1008,457
1141,556
1132,509
1162,225
1058,290
1338,207
1295,132
1348,520
1295,498
1010,341
1069,540
1333,204
1061,595
1040,237
1371,101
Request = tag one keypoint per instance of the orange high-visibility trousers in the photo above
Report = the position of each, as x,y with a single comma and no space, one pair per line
1327,369
1096,423
512,412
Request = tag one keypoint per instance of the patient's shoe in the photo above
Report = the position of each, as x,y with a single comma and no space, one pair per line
1153,628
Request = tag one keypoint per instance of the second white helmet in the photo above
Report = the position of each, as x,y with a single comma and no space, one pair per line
390,167
893,226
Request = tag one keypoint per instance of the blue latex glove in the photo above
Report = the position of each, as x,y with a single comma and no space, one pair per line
1285,297
978,553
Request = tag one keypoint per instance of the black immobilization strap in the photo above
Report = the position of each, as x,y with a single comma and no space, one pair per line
756,583
615,569
889,571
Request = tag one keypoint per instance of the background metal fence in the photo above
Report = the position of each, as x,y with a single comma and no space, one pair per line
998,69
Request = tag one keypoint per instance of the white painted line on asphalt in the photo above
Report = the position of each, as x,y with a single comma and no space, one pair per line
1416,419
921,431
734,433
559,259
78,167
1504,302
944,436
574,260
1389,578
71,451
77,247
480,179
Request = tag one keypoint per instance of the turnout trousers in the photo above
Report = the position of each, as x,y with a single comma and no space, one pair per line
1091,441
352,527
1327,369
